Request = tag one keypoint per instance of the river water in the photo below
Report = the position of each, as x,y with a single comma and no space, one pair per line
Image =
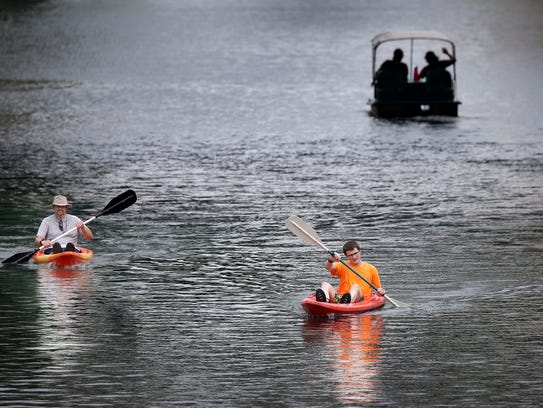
226,117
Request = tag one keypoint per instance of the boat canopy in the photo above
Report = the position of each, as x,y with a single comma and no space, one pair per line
412,36
408,35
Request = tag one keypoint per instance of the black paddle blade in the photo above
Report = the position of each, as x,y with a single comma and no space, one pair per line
119,203
21,257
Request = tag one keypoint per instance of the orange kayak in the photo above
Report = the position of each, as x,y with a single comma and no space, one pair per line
66,258
314,308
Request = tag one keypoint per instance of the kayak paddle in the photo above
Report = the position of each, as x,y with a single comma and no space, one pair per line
309,235
116,205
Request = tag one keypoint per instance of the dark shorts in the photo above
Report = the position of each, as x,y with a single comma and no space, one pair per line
49,250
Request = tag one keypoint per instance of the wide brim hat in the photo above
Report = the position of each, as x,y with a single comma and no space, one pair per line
60,200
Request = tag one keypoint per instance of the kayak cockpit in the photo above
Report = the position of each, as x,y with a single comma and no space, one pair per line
65,258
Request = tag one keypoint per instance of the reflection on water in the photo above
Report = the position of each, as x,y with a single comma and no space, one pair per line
64,296
355,351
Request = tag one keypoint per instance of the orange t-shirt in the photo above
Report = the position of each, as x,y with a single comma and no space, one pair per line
348,278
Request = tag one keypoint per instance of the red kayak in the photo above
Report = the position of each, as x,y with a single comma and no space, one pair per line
66,258
314,308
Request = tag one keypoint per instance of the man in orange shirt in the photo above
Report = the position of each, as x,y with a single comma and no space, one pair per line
351,287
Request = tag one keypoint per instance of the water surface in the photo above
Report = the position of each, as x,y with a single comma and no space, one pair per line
226,118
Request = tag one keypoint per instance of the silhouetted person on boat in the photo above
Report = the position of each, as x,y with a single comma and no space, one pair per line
434,62
395,65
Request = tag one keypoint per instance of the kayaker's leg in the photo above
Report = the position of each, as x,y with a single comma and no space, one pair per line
346,298
328,291
356,294
320,295
57,249
70,247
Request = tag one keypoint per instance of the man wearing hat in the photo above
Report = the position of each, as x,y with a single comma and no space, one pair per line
59,223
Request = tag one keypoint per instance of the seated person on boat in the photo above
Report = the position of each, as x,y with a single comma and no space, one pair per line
60,224
439,82
352,288
392,75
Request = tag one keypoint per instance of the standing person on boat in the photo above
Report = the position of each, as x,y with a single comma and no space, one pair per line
434,62
55,225
351,288
395,64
